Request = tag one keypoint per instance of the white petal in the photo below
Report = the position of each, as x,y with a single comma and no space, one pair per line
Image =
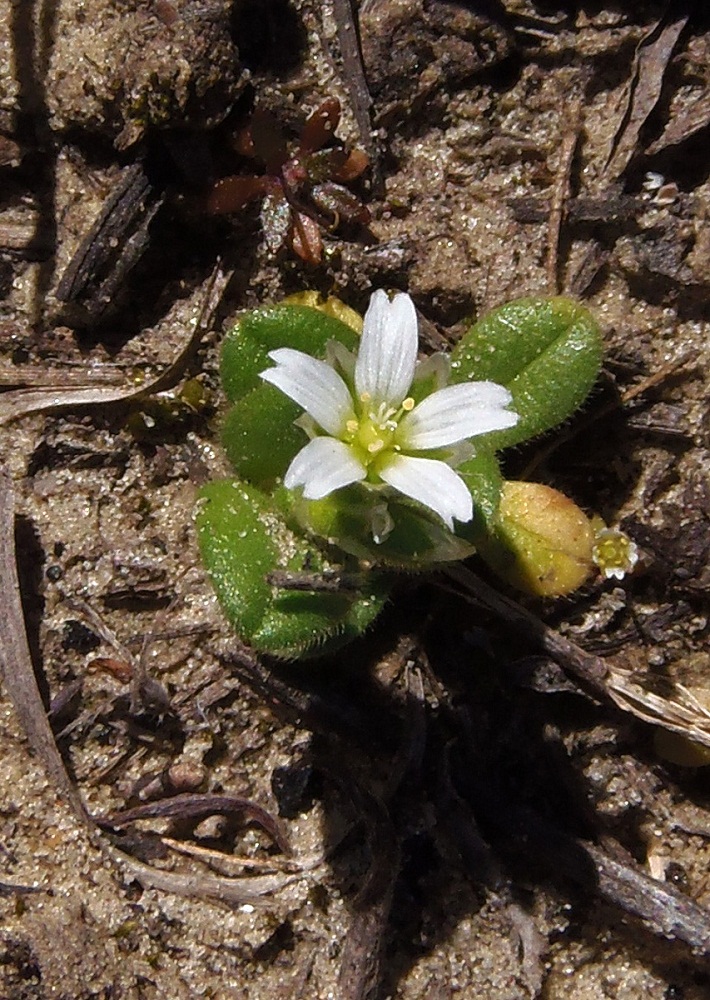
433,484
456,413
388,349
322,466
313,385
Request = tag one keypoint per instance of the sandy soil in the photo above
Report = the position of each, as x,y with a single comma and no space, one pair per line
483,119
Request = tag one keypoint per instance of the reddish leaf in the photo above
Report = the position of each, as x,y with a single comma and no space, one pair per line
243,143
306,239
355,163
121,670
339,203
320,126
229,194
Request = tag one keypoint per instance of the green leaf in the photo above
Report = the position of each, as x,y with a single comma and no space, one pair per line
247,345
484,480
260,437
548,352
242,539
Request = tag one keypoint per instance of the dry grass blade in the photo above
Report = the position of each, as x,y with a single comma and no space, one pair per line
20,402
560,192
683,714
39,376
16,663
652,58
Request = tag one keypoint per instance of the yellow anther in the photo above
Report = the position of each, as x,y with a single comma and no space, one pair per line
408,404
376,446
352,426
365,397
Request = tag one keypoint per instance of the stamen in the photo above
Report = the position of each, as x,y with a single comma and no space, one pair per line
376,446
407,404
365,397
352,426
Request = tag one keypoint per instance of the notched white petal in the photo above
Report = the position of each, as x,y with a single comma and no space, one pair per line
323,466
388,349
312,384
431,483
456,413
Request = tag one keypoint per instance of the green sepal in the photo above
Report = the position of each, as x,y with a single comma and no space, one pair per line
547,351
348,518
246,347
243,538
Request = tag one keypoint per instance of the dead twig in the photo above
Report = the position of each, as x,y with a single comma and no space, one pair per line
356,84
682,713
591,671
194,805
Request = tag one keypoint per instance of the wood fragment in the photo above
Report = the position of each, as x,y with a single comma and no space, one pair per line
650,63
114,244
10,889
607,208
329,581
683,125
26,239
360,975
665,910
582,276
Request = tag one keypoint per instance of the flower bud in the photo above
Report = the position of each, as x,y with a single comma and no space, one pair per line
543,542
329,305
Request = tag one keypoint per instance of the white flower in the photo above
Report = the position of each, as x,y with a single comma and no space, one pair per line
365,426
614,553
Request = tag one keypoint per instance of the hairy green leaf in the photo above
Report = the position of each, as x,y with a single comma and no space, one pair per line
242,539
546,351
247,345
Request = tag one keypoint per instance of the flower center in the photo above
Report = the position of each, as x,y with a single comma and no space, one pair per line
373,432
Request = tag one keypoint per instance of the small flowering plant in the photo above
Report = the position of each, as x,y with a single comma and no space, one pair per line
365,424
355,458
